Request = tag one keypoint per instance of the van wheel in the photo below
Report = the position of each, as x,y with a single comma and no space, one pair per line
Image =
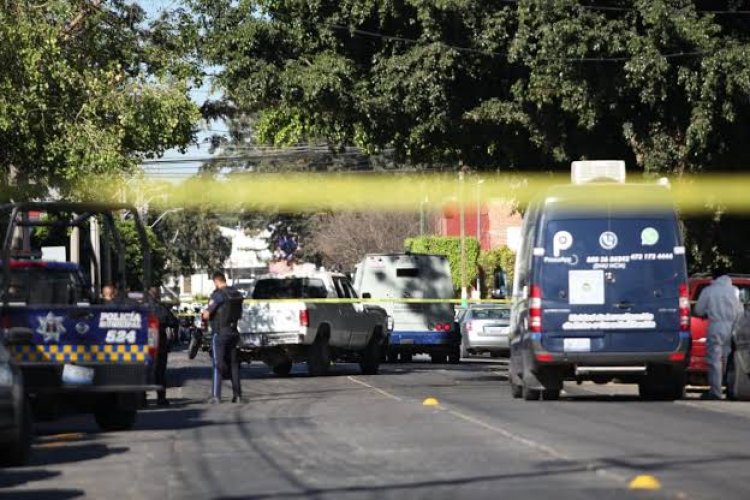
320,356
283,369
662,383
454,357
438,358
551,394
738,382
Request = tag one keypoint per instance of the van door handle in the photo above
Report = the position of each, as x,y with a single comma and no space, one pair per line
625,306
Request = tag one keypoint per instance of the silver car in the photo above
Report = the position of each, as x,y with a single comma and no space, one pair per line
485,328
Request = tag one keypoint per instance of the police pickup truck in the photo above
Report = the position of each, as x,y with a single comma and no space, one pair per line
312,317
75,351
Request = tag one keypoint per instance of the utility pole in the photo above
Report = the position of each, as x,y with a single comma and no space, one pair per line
479,227
462,224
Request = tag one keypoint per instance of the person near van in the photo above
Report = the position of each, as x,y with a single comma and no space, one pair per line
224,311
720,303
166,320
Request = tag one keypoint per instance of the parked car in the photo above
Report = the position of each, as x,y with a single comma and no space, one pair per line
291,320
698,368
485,328
15,414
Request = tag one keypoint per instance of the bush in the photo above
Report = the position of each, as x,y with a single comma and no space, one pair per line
450,246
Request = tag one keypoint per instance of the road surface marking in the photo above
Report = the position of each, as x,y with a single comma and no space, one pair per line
379,391
539,447
430,402
645,482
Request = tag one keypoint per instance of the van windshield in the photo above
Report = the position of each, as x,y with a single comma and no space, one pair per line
627,256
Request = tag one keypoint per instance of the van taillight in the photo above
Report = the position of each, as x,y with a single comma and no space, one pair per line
304,318
6,322
535,309
684,305
153,334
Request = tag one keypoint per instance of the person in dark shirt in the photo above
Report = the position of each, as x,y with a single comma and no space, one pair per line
224,311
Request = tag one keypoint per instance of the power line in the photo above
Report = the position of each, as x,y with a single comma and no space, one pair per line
413,41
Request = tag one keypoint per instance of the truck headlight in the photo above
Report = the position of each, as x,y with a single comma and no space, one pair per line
6,376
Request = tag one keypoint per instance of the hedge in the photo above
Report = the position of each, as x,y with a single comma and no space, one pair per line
450,246
491,260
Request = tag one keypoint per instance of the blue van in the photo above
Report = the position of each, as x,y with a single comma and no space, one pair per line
600,290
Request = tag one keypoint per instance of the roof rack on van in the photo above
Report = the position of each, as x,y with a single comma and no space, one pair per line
583,172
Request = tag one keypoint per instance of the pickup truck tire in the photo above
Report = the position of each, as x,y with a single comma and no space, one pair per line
16,453
371,356
406,357
282,369
319,358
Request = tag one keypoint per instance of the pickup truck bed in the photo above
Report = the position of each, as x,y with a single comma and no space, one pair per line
313,318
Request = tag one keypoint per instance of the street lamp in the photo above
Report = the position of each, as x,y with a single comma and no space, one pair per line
479,228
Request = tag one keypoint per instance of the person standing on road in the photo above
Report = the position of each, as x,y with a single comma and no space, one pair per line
166,320
224,311
720,303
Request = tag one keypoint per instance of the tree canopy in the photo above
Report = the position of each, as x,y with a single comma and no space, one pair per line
524,84
87,89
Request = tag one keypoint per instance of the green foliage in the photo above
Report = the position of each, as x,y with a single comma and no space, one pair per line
192,242
450,247
134,255
495,84
492,260
85,92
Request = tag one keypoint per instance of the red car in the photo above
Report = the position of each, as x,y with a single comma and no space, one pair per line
698,369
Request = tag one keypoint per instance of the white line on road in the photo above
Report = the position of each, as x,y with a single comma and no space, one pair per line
529,443
379,391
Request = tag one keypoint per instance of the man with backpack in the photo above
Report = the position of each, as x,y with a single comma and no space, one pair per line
224,311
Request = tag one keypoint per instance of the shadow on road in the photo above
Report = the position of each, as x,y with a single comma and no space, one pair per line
73,453
412,488
46,494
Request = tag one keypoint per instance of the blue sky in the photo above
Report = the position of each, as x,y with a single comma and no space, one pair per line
182,167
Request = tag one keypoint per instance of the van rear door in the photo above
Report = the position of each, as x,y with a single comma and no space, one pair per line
601,276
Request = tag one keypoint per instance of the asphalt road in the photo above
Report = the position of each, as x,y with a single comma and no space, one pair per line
352,436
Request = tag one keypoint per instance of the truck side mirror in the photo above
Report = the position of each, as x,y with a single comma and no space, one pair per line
367,295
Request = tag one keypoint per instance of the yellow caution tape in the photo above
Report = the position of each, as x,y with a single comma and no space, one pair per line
408,192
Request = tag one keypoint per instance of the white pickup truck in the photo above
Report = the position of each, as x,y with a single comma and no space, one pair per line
288,320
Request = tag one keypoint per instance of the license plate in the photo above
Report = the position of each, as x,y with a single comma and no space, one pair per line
406,341
77,375
496,330
577,345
